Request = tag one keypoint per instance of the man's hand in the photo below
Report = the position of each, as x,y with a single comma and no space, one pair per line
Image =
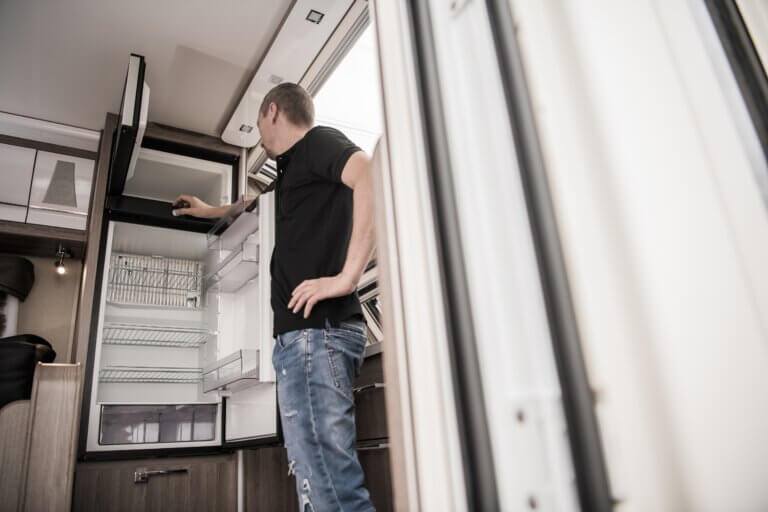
312,291
186,204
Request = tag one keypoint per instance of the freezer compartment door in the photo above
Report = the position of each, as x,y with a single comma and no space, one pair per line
251,414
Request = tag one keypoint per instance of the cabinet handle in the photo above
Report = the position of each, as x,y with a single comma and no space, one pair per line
375,385
142,475
379,446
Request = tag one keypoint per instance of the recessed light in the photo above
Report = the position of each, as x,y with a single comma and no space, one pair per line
315,16
246,128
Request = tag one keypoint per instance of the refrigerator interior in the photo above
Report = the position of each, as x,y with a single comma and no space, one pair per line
182,324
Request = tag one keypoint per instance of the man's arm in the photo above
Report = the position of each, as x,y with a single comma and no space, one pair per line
357,176
186,204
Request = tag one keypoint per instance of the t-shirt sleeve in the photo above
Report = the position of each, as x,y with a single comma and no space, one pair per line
330,152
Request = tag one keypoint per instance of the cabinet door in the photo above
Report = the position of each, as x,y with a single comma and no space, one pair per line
378,480
266,481
203,484
370,406
61,190
16,165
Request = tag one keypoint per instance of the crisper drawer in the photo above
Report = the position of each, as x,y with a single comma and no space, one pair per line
122,424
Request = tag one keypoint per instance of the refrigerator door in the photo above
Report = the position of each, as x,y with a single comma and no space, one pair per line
239,365
134,106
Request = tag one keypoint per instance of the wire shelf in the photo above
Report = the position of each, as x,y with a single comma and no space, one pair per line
155,281
116,333
151,374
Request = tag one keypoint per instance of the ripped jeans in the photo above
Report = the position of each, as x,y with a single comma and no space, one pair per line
315,370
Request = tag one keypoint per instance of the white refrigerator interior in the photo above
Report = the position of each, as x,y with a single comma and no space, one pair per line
184,327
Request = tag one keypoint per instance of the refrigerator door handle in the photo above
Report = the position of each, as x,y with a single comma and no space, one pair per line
142,475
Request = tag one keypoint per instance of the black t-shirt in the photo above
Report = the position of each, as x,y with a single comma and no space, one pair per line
313,219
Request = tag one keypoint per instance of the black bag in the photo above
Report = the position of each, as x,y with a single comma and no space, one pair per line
19,356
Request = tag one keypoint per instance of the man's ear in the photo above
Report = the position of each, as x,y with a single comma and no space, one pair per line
273,112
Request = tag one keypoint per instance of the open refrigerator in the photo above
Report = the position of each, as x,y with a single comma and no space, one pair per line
182,347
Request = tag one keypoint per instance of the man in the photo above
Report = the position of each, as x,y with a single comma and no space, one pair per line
324,238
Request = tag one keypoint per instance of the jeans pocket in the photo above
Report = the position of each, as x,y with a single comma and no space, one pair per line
287,339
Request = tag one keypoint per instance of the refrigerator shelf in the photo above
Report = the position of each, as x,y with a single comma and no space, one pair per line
119,333
150,374
154,281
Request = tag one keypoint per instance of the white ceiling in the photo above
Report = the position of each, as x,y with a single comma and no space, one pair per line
65,61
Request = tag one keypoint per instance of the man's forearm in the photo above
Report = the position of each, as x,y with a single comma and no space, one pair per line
363,237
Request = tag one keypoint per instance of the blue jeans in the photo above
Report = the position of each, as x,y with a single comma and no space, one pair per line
315,371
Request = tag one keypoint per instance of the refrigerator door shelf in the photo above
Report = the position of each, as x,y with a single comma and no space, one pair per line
228,234
237,371
236,269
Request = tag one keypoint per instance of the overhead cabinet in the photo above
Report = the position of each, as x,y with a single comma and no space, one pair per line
40,187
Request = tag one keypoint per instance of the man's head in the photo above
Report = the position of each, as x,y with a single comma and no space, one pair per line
286,113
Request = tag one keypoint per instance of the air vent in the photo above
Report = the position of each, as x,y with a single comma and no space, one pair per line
246,128
315,16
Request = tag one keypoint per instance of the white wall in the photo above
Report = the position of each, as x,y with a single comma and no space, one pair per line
49,310
653,166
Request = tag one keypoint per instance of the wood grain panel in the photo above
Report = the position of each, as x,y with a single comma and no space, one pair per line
91,259
266,483
14,423
53,422
210,484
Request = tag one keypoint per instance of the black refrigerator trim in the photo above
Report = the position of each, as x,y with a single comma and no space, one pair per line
148,212
745,63
578,399
124,138
474,437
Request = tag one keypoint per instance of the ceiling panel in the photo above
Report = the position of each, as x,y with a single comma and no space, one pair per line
65,61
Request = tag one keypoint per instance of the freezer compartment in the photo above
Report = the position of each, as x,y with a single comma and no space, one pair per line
138,280
157,423
158,176
236,371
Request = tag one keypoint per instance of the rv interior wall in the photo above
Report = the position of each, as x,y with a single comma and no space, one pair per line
651,160
56,295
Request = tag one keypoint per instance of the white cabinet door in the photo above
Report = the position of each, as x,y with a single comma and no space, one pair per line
16,164
61,190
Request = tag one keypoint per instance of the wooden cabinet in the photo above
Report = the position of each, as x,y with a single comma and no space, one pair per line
378,477
191,484
267,485
370,406
16,164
